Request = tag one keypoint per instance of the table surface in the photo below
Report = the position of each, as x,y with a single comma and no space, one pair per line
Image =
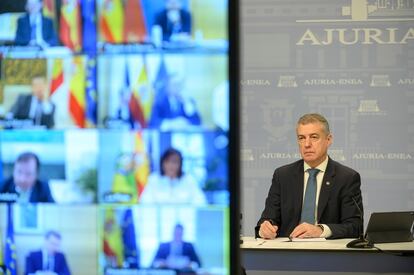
338,245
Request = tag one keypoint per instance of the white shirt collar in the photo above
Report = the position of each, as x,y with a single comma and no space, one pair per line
321,167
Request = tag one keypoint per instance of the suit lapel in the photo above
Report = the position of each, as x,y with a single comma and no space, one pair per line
297,191
327,185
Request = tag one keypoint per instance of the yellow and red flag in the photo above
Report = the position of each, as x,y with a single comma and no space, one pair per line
113,246
77,92
142,170
70,25
144,93
111,21
57,76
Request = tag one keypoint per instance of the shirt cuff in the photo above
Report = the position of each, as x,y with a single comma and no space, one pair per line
327,232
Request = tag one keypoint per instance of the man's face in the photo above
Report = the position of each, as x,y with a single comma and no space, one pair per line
178,234
25,174
313,142
39,87
52,244
33,6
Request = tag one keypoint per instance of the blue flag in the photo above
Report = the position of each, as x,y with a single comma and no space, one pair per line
89,26
131,254
10,256
91,93
161,80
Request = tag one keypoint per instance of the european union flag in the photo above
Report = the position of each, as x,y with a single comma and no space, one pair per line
89,26
91,94
10,251
131,254
161,80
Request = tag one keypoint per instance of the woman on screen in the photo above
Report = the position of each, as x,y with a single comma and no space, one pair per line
171,185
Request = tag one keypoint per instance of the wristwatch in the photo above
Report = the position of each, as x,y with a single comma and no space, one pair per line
321,227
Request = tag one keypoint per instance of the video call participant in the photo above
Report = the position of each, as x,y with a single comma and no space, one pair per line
24,186
315,196
34,29
48,260
171,185
172,110
174,21
35,106
177,254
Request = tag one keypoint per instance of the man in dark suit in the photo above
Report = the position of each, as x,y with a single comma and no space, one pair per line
331,209
49,259
34,29
177,254
174,20
172,110
36,106
24,186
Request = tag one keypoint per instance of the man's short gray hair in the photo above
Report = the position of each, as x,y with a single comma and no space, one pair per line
312,118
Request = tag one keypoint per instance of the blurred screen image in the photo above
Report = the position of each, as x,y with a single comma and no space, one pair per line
184,168
163,240
114,137
49,166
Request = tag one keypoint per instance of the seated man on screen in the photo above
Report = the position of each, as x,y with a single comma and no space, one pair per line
174,21
34,29
35,106
315,196
177,254
172,110
48,260
24,186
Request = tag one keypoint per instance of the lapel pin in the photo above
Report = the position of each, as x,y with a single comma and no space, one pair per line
328,183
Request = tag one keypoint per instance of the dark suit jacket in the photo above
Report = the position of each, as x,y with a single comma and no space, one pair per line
336,207
34,262
163,110
24,30
21,110
188,250
167,27
40,193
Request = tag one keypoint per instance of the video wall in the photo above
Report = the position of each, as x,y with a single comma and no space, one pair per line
114,148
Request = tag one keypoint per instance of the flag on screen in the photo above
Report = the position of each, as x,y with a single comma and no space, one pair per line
49,9
10,257
131,253
70,25
77,93
124,177
142,169
89,26
134,105
111,21
135,29
91,113
161,79
113,246
144,93
57,75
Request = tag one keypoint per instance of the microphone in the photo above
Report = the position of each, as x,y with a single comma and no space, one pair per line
361,242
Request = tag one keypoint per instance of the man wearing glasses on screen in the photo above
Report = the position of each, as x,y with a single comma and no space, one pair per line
24,186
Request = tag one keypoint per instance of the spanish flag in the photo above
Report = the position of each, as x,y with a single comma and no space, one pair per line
113,246
57,75
77,92
135,29
111,21
144,93
70,25
142,170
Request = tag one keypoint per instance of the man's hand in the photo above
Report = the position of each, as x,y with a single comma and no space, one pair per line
306,230
268,230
